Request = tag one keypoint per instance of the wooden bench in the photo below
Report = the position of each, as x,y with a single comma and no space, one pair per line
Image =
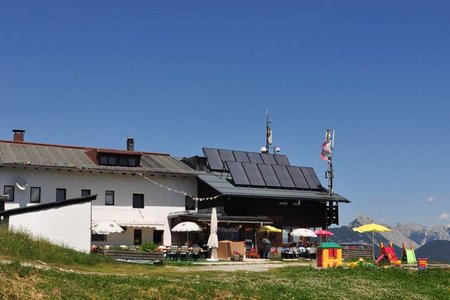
134,255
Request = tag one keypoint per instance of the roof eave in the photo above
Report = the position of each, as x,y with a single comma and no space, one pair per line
102,169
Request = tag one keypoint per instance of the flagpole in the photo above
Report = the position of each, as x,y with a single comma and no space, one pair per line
330,175
329,140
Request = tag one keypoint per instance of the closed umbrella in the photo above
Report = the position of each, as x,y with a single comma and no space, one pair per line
106,227
373,227
186,227
213,241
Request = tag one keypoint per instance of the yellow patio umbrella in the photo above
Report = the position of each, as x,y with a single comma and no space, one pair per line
268,228
372,228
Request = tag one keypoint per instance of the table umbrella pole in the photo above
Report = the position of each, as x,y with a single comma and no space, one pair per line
373,245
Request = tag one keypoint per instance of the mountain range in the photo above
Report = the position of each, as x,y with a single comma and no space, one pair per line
432,242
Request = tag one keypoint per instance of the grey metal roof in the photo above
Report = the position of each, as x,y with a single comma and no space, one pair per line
48,205
200,216
55,156
219,182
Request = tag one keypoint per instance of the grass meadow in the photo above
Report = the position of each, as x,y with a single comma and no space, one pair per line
72,275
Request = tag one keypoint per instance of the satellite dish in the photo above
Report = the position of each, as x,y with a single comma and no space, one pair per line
21,184
263,150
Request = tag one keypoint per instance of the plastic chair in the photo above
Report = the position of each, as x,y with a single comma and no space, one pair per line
312,253
195,252
295,251
173,254
184,253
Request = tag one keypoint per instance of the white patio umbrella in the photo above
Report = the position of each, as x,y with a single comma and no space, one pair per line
106,227
213,241
303,232
186,227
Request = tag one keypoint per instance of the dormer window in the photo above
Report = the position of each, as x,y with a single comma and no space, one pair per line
106,159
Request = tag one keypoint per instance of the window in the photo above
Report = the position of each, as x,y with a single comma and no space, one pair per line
60,194
85,193
98,237
283,203
332,253
189,203
35,194
107,159
138,200
137,236
109,197
9,190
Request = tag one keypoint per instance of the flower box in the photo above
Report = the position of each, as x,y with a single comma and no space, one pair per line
237,257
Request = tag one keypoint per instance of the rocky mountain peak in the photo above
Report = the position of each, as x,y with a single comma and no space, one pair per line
360,220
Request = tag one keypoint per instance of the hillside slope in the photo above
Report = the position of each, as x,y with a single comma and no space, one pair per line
435,251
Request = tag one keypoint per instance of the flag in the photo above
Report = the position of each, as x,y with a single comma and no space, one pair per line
326,150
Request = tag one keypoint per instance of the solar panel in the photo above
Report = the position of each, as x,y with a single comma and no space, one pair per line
255,157
269,175
241,156
311,177
268,158
238,173
298,177
282,160
283,176
226,155
253,174
214,161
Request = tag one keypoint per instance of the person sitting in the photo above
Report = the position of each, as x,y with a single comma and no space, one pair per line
267,246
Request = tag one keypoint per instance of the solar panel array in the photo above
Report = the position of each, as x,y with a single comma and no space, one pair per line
218,157
255,169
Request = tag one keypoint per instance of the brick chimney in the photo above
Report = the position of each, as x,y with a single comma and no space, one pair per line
130,144
18,135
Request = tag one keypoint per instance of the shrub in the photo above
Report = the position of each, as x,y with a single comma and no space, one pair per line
149,246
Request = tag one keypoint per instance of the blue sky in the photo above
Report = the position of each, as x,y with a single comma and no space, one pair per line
181,75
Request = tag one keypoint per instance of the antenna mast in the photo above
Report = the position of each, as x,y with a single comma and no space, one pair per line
266,149
327,149
268,132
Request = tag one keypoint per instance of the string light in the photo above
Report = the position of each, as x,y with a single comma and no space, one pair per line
178,191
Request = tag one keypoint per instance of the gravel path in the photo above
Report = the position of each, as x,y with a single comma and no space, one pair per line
253,266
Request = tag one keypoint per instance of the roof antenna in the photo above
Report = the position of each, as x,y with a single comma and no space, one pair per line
266,149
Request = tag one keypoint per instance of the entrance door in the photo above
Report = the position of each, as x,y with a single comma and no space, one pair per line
158,237
138,236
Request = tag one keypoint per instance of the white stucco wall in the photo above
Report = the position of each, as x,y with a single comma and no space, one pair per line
158,202
67,226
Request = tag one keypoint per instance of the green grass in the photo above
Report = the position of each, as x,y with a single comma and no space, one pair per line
285,283
183,280
19,246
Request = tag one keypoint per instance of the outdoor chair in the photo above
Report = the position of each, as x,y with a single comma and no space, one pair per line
184,254
195,255
173,254
312,252
295,251
292,252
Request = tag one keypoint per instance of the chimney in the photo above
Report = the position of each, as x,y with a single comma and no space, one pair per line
18,135
130,144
